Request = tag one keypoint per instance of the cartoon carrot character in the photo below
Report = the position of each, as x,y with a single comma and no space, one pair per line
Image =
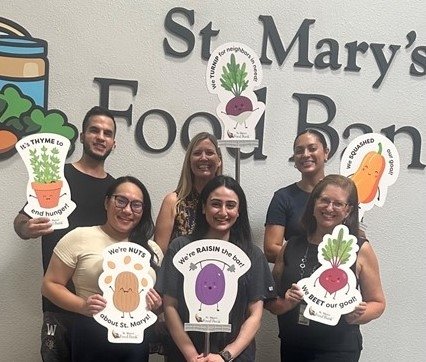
368,175
337,252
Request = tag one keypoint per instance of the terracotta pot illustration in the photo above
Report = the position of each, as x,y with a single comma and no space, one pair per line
47,194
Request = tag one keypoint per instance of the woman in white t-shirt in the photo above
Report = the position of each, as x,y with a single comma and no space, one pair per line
78,257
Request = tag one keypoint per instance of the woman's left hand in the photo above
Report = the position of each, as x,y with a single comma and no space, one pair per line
352,317
153,300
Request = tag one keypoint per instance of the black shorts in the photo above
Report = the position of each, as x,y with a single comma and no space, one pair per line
56,337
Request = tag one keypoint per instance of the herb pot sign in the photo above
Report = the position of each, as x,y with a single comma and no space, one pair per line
47,193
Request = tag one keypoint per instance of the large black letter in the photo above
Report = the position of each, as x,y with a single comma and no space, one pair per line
303,124
207,33
390,133
171,128
105,84
184,135
270,32
180,31
419,59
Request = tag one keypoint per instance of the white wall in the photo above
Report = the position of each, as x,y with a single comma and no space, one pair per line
123,39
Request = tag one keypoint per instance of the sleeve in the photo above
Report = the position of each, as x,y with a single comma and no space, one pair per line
66,249
261,286
277,210
169,277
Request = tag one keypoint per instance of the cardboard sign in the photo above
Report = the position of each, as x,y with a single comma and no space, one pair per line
331,290
125,282
372,162
48,192
211,269
233,73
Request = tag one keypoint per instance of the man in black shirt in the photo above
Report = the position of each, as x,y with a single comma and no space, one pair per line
88,182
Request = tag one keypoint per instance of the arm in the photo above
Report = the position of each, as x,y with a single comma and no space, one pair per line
248,330
54,288
27,228
273,241
165,221
292,297
374,302
154,301
175,327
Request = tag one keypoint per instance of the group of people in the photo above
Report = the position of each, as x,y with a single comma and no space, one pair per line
205,205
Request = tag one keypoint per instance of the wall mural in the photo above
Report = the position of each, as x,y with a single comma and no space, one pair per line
24,81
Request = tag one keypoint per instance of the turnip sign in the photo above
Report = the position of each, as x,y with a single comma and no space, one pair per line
233,73
125,281
332,289
211,269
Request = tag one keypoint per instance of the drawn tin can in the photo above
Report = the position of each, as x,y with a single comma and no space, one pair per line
23,62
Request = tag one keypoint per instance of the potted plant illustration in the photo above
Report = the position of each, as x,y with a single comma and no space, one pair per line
47,181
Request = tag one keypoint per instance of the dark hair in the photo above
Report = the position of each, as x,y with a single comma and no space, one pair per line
320,137
240,233
97,111
308,220
144,230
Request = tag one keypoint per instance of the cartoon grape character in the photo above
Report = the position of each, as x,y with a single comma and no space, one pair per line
210,285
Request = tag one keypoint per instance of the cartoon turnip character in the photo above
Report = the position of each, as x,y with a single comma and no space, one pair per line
233,80
337,252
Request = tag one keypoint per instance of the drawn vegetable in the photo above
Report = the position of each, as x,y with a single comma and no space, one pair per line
126,293
7,140
210,285
45,166
20,116
368,175
337,252
233,80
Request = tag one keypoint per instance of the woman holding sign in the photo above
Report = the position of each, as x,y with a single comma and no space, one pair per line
221,214
203,161
310,153
79,256
333,202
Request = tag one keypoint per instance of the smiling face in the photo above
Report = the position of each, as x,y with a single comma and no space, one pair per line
122,220
98,138
204,160
309,154
331,208
221,211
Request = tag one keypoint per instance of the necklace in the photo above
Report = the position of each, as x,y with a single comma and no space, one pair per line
304,262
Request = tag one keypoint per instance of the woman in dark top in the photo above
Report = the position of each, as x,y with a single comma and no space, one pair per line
333,201
310,152
221,214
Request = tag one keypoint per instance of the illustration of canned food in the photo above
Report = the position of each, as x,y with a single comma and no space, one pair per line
23,62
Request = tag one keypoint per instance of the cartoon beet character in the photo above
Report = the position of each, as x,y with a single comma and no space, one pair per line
210,285
233,80
368,175
337,252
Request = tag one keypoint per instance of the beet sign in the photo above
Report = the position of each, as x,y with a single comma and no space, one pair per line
233,80
337,252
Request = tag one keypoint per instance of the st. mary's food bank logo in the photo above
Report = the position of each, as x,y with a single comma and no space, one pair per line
24,80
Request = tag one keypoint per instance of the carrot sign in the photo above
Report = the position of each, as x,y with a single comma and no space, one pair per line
331,291
372,162
368,175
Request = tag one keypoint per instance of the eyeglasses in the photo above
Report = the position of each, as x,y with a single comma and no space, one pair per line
121,202
337,205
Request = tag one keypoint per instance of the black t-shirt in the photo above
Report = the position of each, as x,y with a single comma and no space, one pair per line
315,336
256,284
88,193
